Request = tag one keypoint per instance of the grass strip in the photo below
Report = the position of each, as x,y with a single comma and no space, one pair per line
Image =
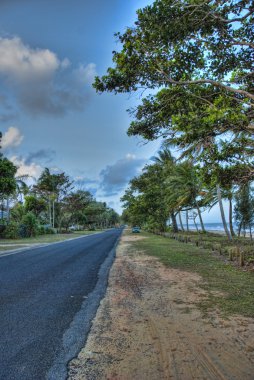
218,276
41,239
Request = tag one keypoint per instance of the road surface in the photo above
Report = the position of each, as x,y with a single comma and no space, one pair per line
48,297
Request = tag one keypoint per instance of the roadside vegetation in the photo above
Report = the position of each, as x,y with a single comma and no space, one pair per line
191,62
50,206
227,288
9,244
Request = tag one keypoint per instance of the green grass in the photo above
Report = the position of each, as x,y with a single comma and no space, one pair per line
237,285
41,239
4,249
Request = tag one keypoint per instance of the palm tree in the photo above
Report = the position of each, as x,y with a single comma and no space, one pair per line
167,162
21,188
205,144
164,157
185,187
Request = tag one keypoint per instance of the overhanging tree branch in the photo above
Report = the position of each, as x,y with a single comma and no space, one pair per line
207,81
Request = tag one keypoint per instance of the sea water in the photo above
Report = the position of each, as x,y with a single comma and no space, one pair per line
210,226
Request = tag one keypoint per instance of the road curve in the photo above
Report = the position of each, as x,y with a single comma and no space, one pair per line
48,297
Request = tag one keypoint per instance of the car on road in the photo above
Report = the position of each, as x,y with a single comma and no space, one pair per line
136,229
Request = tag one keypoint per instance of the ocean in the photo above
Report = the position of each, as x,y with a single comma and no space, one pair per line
209,226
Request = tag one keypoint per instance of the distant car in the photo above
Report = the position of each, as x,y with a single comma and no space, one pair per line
135,229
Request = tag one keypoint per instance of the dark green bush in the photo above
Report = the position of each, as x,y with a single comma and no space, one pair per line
11,231
31,224
2,229
23,231
41,230
49,231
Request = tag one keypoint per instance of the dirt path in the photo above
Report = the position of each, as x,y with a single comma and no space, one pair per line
149,327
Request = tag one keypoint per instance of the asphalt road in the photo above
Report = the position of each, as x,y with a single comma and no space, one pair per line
48,297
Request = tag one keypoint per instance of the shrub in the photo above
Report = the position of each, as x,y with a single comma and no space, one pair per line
2,229
23,231
31,224
49,230
11,231
41,230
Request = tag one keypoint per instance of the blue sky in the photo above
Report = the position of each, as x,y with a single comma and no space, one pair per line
50,51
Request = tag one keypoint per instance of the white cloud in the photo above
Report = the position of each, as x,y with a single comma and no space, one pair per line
20,62
41,83
12,138
65,63
130,156
33,170
85,74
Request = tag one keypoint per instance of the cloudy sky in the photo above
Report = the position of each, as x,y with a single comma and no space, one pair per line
50,51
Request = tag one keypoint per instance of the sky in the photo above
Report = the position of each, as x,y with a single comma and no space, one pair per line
50,116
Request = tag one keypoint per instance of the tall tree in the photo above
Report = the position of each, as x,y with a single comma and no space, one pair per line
199,55
244,208
7,181
186,188
146,199
53,187
185,43
74,208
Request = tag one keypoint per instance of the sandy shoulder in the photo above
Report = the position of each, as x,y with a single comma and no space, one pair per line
148,327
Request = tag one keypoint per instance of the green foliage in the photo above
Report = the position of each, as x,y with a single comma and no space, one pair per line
50,202
198,55
52,188
244,207
41,230
146,201
35,205
74,208
18,212
49,231
12,231
98,214
56,184
185,42
7,177
30,224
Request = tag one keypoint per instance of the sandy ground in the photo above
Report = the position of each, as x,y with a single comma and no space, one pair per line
149,327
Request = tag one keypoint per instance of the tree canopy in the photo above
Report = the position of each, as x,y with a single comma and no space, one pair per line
195,58
7,177
184,43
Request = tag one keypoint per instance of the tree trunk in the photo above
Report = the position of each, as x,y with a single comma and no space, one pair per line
200,218
194,220
180,220
2,209
174,222
50,220
187,220
53,207
250,233
244,230
8,210
222,213
231,217
239,229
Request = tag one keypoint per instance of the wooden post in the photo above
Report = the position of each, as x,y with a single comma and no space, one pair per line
230,254
241,259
